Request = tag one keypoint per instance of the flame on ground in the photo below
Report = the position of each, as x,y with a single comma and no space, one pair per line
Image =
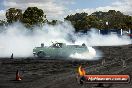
81,71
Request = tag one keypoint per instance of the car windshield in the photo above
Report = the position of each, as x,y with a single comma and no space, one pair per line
57,45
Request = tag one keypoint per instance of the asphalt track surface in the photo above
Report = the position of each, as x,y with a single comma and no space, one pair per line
61,73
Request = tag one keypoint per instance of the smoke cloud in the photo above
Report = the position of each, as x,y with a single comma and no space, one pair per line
93,38
20,41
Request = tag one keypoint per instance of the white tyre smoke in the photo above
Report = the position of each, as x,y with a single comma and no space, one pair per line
20,41
88,55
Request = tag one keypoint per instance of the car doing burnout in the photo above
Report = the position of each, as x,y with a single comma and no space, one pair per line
59,50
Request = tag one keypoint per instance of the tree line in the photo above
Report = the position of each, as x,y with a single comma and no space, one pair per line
33,16
101,20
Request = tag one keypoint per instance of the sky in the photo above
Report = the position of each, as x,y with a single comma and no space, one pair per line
58,9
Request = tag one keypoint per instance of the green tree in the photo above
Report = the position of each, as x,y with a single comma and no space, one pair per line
78,20
33,16
13,15
54,22
116,20
2,22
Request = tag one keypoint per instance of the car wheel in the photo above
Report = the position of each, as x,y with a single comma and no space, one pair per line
41,54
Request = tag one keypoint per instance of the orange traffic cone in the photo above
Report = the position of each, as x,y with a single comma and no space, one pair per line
18,78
